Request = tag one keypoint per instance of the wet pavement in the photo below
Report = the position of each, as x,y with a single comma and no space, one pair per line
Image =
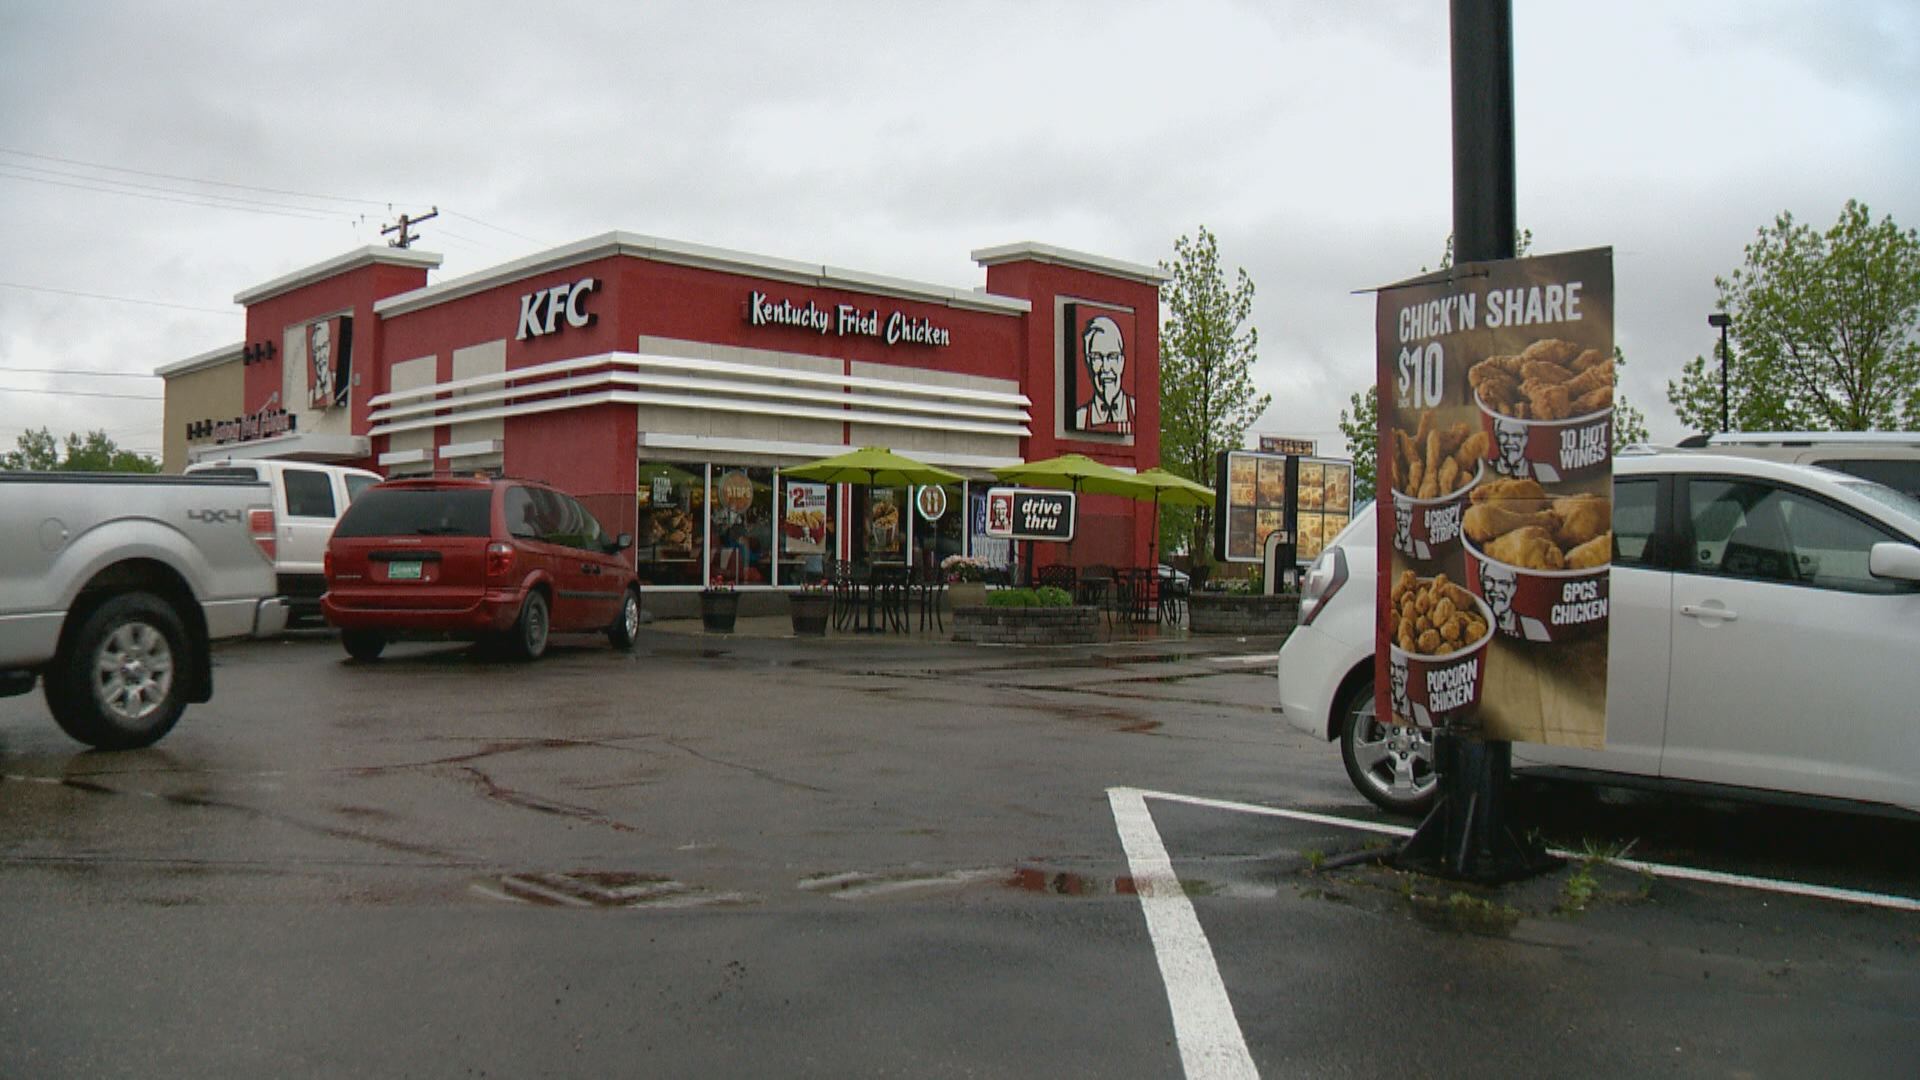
764,855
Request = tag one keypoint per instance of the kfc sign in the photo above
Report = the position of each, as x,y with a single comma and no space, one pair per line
541,312
845,320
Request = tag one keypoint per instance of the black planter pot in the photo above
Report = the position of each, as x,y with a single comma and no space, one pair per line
718,609
810,613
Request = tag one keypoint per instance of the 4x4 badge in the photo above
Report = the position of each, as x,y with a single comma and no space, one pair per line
216,517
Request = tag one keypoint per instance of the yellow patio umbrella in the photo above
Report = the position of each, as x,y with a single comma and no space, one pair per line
1076,473
1175,490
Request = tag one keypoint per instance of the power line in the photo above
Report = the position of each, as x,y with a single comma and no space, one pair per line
222,200
192,179
119,299
68,371
305,216
80,393
490,225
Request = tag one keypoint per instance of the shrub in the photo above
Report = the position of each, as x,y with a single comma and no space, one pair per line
1050,596
1012,598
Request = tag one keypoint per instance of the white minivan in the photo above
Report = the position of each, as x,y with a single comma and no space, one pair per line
308,498
1765,625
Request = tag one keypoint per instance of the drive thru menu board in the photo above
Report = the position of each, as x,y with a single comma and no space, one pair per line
1496,480
1307,500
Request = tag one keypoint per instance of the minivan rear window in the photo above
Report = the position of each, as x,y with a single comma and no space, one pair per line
1900,475
419,512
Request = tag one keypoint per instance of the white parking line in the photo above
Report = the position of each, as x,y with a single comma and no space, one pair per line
1667,870
1204,1026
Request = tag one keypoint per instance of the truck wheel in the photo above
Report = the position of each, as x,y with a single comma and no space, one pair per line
120,682
363,645
626,629
528,638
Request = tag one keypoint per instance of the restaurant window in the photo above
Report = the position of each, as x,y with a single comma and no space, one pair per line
809,514
880,535
670,540
938,522
742,525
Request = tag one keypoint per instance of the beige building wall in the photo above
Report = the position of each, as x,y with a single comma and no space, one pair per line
213,393
488,359
657,418
912,441
411,375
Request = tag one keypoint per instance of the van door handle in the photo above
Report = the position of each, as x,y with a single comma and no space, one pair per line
589,568
1698,611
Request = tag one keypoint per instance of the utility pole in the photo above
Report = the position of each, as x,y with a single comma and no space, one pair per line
406,237
1466,836
1722,320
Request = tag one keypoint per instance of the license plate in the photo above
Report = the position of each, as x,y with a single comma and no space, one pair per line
403,571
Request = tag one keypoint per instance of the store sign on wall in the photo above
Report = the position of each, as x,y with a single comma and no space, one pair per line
1019,514
542,312
845,320
261,425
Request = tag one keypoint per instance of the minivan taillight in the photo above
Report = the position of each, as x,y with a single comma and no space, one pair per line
326,565
260,525
1324,578
499,559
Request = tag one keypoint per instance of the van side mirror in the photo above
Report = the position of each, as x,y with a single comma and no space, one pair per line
1898,561
623,542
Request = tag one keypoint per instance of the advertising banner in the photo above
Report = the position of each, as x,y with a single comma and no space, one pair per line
1496,498
1023,514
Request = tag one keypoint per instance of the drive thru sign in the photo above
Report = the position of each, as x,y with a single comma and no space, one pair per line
1023,514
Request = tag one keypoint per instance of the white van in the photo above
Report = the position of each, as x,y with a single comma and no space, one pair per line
308,498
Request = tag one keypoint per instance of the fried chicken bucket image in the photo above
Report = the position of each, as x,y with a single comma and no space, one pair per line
1433,468
1539,561
1437,653
1548,412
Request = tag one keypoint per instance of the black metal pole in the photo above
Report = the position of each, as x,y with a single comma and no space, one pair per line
1466,836
1722,320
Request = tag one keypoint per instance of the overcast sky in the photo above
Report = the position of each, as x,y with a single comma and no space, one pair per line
1311,137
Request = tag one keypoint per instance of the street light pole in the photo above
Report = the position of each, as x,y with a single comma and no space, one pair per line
1722,320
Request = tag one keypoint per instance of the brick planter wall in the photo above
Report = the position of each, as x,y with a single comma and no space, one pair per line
1243,615
1026,625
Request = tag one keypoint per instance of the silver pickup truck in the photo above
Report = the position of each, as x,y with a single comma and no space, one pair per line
112,587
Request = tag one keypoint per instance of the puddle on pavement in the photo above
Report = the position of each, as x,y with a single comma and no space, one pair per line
859,885
606,889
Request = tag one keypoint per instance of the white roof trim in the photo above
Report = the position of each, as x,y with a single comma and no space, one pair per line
473,449
1078,260
339,264
680,253
657,440
383,426
225,354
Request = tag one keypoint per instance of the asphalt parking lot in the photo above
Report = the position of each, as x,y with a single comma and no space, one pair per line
729,856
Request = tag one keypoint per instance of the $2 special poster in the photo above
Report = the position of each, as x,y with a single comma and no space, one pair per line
1495,474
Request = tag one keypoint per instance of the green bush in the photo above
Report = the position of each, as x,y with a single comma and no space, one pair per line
1050,596
1012,598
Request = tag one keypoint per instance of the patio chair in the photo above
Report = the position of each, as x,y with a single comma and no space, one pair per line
846,597
889,595
928,587
1057,577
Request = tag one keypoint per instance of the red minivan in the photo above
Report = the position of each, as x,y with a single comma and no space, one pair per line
498,560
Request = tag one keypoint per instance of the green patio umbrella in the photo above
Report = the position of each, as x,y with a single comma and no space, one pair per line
1175,490
874,466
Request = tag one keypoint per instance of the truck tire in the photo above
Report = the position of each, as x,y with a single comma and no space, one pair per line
120,682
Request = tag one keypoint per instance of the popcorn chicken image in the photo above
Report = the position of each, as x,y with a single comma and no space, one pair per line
1433,617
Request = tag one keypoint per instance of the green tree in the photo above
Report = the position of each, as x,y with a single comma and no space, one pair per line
37,451
1826,332
94,452
1207,395
1362,430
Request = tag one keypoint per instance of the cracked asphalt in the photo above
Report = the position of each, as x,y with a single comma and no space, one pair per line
742,856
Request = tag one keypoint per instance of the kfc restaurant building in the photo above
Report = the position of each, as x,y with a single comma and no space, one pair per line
667,384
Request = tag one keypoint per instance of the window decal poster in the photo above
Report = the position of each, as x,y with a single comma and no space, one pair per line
1496,476
329,361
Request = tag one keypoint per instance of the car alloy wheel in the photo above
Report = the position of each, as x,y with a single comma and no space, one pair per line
626,629
1392,765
